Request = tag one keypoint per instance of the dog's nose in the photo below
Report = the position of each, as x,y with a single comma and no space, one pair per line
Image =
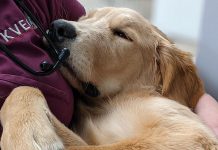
61,30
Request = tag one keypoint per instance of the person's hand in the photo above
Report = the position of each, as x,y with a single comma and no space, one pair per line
207,110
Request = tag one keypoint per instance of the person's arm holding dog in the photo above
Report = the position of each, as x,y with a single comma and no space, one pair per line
207,110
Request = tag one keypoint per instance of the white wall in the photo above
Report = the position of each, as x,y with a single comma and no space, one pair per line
142,6
92,4
179,18
207,54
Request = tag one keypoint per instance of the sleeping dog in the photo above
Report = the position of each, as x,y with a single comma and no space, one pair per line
135,85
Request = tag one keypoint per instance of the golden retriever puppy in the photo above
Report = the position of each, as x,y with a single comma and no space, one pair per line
127,72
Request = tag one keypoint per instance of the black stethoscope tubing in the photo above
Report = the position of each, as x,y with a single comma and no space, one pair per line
58,56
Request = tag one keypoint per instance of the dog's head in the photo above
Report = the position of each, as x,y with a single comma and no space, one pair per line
114,49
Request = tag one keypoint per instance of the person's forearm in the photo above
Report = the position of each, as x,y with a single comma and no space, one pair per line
207,110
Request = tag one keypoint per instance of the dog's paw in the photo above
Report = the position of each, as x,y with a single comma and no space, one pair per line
45,137
47,142
30,130
26,122
52,144
31,137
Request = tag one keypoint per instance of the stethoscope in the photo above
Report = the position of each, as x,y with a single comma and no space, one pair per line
58,56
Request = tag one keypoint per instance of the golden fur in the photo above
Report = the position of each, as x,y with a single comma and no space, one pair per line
137,70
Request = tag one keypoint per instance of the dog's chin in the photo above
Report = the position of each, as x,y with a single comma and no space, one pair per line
71,76
86,87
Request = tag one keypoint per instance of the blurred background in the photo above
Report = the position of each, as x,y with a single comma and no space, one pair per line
180,20
191,24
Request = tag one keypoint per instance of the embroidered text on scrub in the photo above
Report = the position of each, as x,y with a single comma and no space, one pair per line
17,29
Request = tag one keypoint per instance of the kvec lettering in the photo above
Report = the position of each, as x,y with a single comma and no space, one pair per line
15,30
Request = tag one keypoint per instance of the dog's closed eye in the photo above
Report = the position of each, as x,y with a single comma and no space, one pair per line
121,34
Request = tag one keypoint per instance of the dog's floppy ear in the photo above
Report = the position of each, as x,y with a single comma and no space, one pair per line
179,77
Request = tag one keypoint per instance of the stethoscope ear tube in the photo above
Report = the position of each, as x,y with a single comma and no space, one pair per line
58,56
